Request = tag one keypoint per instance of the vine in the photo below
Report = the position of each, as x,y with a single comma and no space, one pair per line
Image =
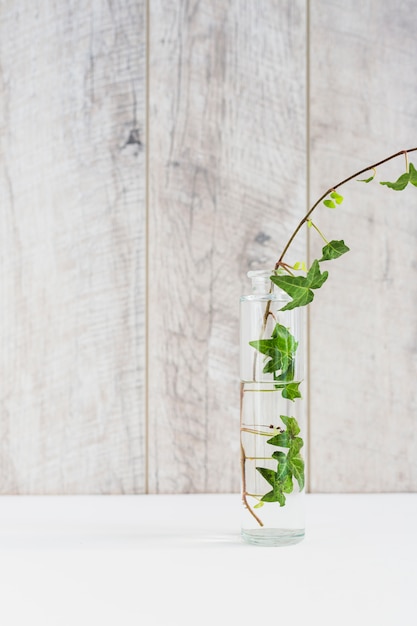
280,349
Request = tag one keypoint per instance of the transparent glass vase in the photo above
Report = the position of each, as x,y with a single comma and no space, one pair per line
272,356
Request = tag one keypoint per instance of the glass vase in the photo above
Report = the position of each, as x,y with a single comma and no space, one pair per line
272,356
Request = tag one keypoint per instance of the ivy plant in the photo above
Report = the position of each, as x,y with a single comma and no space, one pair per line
279,350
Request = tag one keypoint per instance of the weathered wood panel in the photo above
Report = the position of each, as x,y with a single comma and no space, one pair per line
364,326
227,163
72,119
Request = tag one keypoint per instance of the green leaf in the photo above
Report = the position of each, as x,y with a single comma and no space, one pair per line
300,266
259,505
329,203
268,474
280,350
336,197
276,495
290,466
279,456
282,440
401,183
300,287
290,391
367,180
291,423
333,250
280,481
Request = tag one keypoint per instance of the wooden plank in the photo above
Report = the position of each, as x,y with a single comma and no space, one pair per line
72,249
364,327
226,163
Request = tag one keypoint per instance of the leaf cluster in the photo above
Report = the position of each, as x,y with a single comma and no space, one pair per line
300,288
290,465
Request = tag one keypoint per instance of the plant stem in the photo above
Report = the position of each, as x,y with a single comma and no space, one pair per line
306,217
244,494
333,188
319,231
242,467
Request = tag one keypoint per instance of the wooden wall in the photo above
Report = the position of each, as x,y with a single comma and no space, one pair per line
151,153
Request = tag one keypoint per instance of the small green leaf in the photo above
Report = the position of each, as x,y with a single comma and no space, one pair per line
367,180
300,287
329,203
333,250
336,197
259,505
309,223
300,266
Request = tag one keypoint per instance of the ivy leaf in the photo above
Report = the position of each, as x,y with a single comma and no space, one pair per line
276,495
329,203
268,474
290,466
289,438
277,492
333,250
282,440
280,350
300,287
280,484
402,182
290,391
291,423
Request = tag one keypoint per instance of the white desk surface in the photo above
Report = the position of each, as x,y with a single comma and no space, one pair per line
178,560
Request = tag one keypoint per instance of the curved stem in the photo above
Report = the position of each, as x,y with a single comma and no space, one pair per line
244,493
333,188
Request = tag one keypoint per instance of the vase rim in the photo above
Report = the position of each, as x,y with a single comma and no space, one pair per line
259,273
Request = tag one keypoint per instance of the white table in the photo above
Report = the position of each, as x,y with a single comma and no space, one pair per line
178,560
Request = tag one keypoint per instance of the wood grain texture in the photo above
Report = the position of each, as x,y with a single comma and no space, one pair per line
227,145
72,113
364,326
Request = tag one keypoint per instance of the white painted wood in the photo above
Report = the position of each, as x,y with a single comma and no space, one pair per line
72,247
363,323
227,180
227,162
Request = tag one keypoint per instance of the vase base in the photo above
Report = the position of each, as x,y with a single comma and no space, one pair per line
273,536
